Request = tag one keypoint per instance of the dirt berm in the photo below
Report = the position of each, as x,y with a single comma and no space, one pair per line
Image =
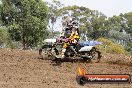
23,69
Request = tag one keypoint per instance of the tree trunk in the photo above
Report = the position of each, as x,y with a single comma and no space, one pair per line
52,29
24,43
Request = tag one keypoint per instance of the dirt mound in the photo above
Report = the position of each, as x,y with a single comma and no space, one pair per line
23,69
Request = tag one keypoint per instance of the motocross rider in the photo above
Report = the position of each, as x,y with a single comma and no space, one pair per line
70,33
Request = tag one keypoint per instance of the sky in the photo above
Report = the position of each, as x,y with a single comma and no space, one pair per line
108,7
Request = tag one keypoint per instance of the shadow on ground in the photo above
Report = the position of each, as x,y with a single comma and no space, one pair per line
59,61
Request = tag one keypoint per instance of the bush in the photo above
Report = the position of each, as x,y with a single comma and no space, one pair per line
3,35
5,39
11,44
111,47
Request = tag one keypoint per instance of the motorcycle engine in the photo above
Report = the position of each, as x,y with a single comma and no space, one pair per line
69,53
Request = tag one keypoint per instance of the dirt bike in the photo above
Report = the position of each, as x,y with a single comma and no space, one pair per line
53,48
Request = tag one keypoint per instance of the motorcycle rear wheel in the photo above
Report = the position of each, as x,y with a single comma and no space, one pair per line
45,52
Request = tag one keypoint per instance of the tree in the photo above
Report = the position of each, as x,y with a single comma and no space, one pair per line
128,18
128,29
53,13
26,20
89,20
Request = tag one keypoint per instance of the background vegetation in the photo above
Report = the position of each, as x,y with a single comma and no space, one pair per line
26,23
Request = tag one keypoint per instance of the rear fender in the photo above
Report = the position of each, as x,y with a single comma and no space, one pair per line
43,47
47,46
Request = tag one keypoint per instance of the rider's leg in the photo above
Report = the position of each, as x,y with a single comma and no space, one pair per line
63,53
64,50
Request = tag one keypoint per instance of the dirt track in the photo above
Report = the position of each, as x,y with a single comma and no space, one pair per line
23,69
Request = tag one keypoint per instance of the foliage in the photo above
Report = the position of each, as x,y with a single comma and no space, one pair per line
53,11
129,47
96,25
111,47
5,39
3,35
89,20
26,20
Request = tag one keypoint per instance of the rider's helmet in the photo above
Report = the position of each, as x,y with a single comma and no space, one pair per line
70,23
